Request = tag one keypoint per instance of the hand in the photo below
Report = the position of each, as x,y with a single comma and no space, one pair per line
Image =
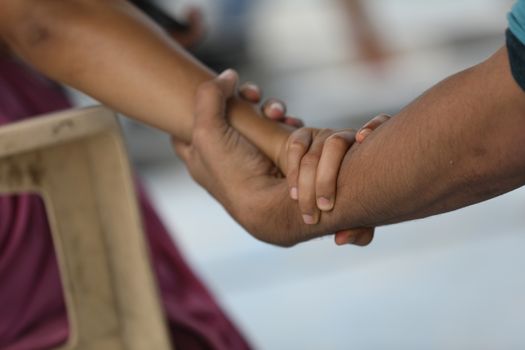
238,175
334,146
313,160
272,108
233,171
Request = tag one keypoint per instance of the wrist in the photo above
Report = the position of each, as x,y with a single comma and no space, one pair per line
266,212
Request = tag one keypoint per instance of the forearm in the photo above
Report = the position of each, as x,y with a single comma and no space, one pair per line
112,52
460,143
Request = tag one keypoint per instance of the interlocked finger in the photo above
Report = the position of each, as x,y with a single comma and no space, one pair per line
335,148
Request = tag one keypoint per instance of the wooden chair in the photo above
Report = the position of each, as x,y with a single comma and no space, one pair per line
77,162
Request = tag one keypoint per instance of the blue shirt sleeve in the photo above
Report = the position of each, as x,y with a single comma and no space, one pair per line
517,20
515,36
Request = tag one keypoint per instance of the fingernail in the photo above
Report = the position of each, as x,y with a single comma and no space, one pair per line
324,204
308,219
276,108
293,193
252,87
227,74
294,122
364,133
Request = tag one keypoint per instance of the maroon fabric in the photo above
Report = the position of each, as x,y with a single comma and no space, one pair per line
32,312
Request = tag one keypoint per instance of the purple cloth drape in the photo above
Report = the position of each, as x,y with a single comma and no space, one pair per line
32,312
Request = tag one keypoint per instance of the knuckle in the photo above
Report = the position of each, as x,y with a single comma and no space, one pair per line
292,176
297,146
337,141
323,133
303,132
310,160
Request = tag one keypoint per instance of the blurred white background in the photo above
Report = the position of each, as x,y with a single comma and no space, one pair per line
450,282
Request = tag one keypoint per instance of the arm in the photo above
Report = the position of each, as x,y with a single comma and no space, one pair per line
108,49
460,143
111,51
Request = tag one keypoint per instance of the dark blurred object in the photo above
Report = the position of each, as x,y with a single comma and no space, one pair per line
187,33
227,44
166,21
3,49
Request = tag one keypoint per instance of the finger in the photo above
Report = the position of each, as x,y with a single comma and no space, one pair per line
295,122
347,236
192,161
334,150
182,149
307,179
344,237
371,126
376,121
210,105
250,92
298,144
185,152
274,109
359,236
364,239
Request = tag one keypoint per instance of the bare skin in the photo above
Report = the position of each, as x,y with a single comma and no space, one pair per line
458,144
111,51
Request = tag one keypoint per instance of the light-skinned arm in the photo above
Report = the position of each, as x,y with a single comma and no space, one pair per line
111,51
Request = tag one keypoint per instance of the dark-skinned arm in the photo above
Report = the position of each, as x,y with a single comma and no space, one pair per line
460,143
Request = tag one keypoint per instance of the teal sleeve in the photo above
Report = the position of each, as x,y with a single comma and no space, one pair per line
516,42
517,20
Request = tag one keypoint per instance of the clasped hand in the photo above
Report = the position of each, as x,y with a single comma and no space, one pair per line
282,210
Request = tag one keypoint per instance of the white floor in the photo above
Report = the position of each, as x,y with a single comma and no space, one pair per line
451,282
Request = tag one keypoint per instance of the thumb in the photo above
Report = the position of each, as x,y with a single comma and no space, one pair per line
182,149
211,101
373,124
